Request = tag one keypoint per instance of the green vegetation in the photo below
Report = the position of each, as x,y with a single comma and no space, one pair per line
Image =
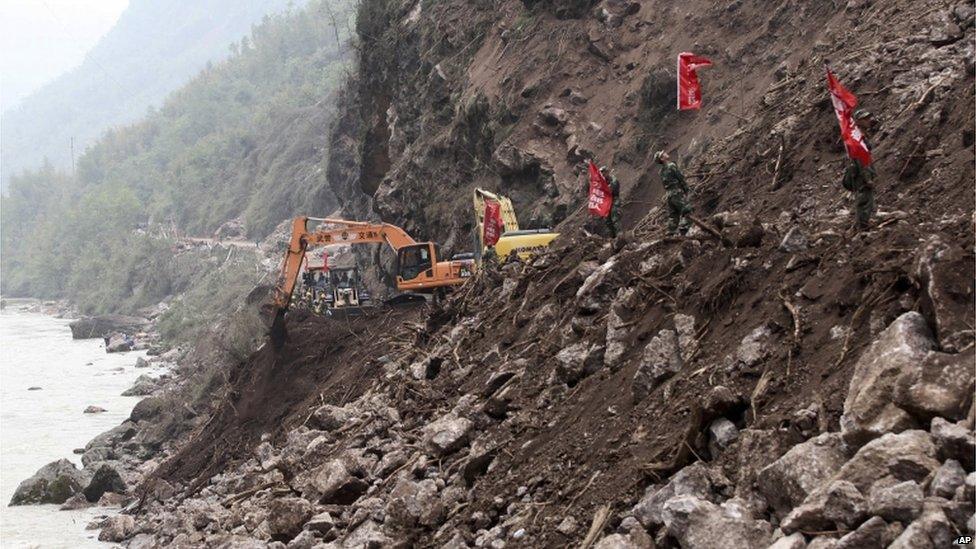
246,138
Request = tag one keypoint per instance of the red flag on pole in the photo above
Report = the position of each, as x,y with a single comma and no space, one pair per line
844,103
689,90
493,224
600,198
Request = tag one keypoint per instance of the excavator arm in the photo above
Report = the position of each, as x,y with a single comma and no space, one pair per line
339,231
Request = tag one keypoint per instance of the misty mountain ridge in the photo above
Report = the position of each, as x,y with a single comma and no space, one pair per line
156,46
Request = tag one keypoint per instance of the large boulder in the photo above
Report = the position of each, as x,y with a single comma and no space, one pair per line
578,361
329,417
942,385
946,274
286,516
412,503
788,481
105,479
909,455
117,528
696,522
144,385
89,327
955,441
839,504
333,482
447,434
694,480
869,410
54,483
660,360
931,530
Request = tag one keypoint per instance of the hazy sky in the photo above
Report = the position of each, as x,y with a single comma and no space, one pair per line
40,39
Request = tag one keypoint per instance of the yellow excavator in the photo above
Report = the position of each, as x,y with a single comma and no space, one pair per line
523,242
418,267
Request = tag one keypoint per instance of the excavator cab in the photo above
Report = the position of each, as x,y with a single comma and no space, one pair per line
418,268
412,261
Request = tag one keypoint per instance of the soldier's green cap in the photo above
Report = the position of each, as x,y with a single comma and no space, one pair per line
657,156
862,113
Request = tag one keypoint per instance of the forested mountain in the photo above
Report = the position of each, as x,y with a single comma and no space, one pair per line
245,138
155,46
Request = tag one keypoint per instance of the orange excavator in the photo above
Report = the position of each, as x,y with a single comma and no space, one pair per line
417,266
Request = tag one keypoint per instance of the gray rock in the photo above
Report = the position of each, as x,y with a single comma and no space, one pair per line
322,523
594,280
932,530
75,502
788,481
286,516
117,528
954,441
141,363
792,541
696,522
94,410
940,267
867,536
412,503
617,329
693,480
334,483
578,361
329,417
616,541
943,29
105,479
90,327
660,360
567,526
909,455
754,348
447,434
144,385
948,479
722,433
823,542
54,483
304,540
367,534
943,385
794,241
898,502
840,503
869,410
684,325
119,343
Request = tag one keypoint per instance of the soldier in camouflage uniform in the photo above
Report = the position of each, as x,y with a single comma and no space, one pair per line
613,219
677,194
859,179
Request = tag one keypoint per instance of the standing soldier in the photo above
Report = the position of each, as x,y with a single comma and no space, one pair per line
858,179
613,220
677,193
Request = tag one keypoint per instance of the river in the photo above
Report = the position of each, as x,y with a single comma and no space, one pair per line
38,427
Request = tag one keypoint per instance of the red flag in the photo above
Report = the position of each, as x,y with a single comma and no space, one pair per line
844,104
600,198
689,90
493,224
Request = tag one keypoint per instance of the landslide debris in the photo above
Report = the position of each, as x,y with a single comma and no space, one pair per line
792,383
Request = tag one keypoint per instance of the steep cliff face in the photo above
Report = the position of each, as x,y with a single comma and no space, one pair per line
514,95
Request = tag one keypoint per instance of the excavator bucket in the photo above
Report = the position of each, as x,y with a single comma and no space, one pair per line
277,330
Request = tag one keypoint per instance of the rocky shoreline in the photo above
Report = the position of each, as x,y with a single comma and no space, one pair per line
114,462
